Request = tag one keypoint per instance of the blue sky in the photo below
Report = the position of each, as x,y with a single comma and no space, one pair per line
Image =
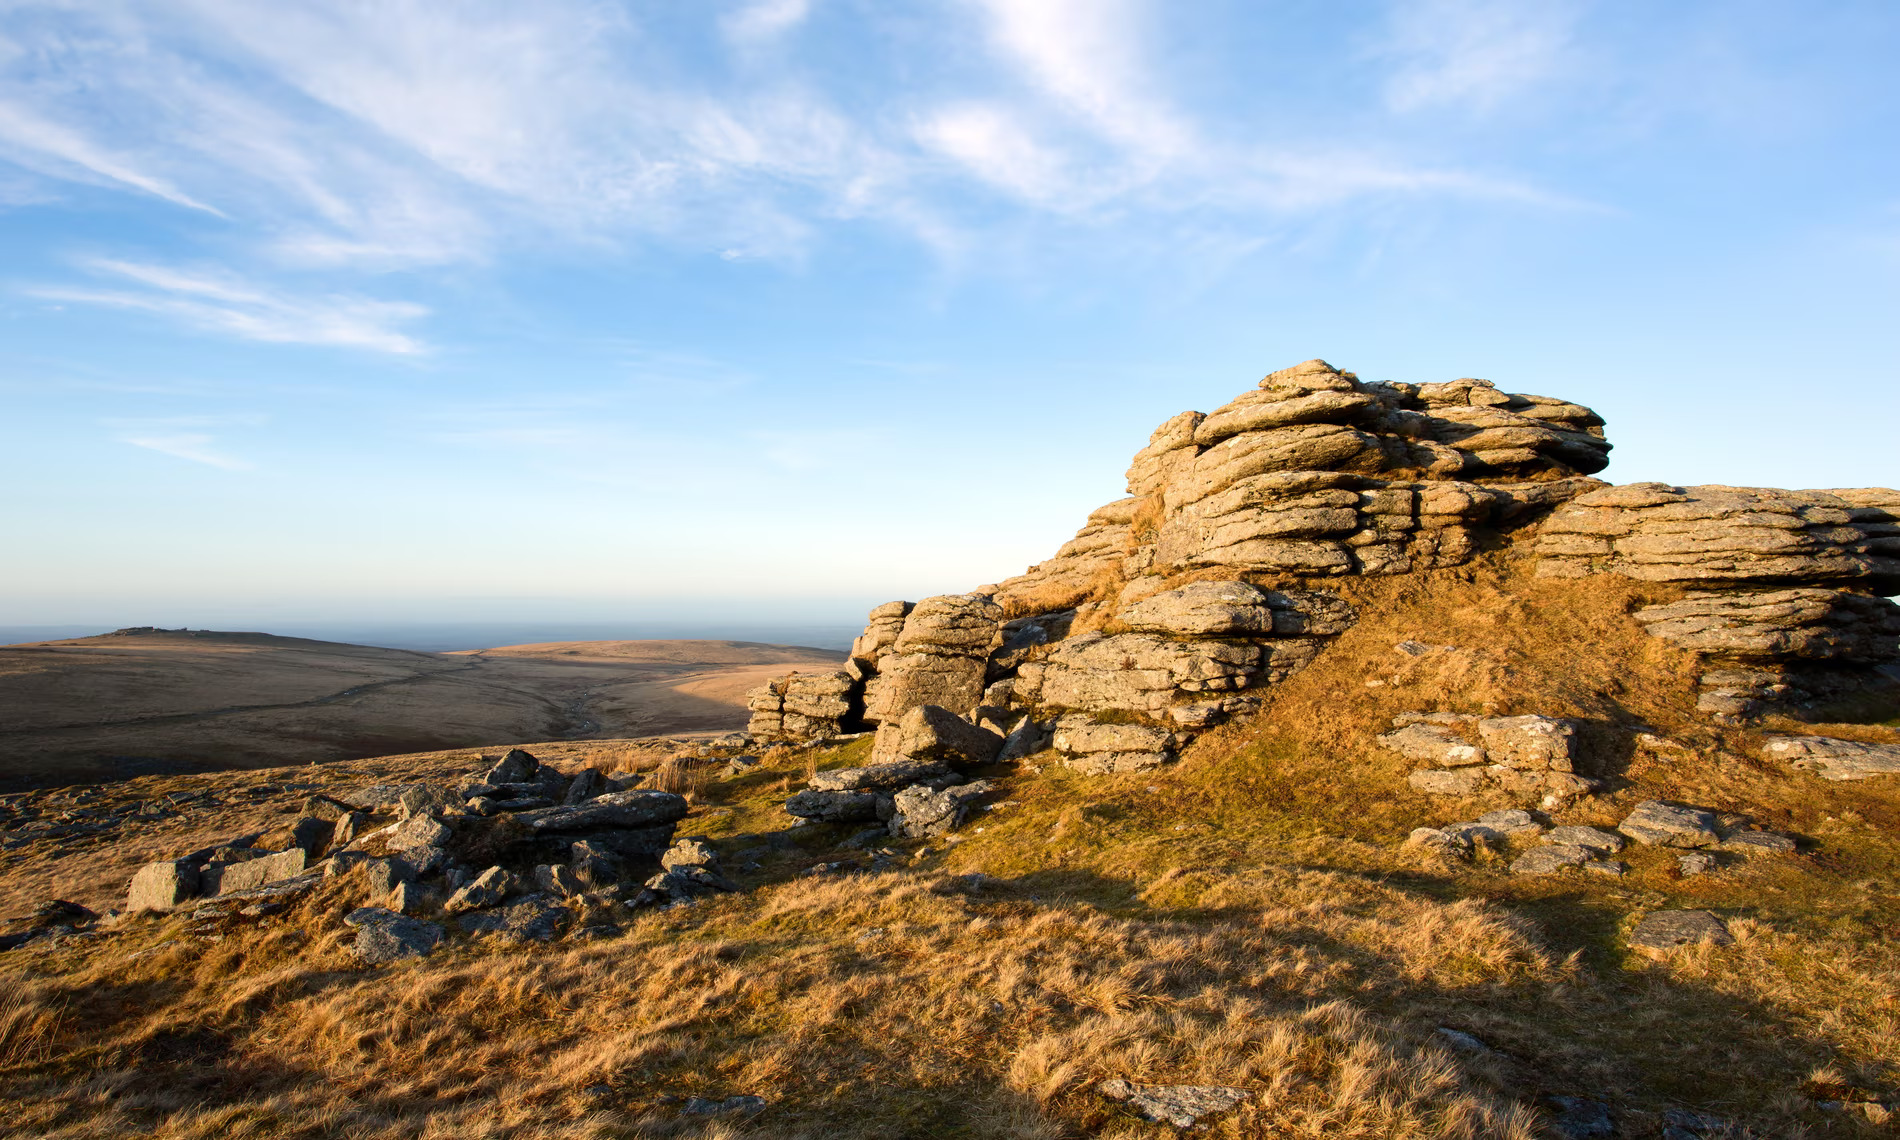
777,309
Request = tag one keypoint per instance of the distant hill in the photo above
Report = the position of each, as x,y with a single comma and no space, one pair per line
151,700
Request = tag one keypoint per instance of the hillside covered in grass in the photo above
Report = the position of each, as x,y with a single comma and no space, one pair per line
1381,774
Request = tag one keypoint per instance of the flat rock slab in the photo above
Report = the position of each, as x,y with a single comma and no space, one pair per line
391,937
1595,838
1759,843
1833,759
880,777
730,1106
1550,858
1666,930
1670,825
621,809
531,920
1180,1105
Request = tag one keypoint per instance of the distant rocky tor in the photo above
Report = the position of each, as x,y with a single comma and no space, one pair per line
1171,609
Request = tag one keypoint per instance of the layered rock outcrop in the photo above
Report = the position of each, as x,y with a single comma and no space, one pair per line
1788,601
1170,609
1106,651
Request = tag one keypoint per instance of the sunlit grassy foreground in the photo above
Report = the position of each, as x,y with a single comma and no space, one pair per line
1249,918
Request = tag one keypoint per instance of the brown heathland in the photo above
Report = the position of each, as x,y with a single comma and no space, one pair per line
1249,917
102,708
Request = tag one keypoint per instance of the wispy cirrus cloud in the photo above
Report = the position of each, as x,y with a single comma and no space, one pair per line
1473,53
54,148
359,138
183,437
218,302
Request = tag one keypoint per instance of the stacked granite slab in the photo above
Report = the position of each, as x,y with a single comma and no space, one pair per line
803,706
1316,473
1787,598
1172,606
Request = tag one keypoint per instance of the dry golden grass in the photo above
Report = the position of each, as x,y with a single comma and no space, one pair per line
1248,917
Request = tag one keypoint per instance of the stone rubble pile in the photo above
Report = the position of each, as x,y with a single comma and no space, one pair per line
1530,756
1652,823
917,784
501,854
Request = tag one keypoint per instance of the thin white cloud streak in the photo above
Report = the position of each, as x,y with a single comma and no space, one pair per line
31,136
182,437
187,445
1475,53
763,21
219,303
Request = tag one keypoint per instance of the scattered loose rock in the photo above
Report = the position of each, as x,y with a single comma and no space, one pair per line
382,935
1180,1105
1833,759
1665,930
1659,824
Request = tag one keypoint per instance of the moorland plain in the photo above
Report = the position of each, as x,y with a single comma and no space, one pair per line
173,701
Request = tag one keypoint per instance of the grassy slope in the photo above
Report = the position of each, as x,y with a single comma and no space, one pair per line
1248,917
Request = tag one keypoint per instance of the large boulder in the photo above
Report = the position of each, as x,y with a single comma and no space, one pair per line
922,811
938,658
638,808
162,886
518,766
930,734
252,873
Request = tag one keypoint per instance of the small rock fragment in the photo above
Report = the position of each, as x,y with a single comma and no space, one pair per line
1180,1105
1696,863
1463,1042
1550,858
1580,1118
1665,930
1595,838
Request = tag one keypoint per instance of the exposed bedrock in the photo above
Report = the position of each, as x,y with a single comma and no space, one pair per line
1788,604
1173,608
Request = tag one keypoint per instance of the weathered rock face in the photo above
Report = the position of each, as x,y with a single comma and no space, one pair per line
1658,533
802,706
1318,474
1172,608
1312,475
1789,603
